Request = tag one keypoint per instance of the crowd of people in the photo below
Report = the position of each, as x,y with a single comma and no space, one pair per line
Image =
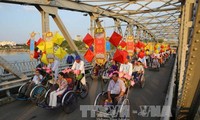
133,67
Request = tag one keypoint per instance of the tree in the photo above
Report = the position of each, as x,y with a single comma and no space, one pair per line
160,40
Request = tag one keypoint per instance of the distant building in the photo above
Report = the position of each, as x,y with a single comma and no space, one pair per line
78,38
10,43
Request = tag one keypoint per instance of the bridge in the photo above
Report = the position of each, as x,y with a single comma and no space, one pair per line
176,85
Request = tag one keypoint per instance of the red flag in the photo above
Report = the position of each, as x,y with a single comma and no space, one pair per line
89,40
122,44
115,39
89,55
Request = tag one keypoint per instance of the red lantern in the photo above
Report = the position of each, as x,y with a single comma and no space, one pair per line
88,40
141,54
89,55
122,44
161,50
120,56
140,44
115,39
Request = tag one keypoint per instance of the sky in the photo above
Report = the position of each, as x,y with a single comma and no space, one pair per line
18,21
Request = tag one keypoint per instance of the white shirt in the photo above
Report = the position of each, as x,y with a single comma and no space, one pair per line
36,79
116,87
126,68
79,66
138,68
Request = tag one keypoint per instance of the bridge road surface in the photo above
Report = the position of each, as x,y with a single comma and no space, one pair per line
153,93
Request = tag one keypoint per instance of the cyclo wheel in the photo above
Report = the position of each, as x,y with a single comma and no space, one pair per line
142,81
124,113
37,94
69,102
84,90
104,80
92,73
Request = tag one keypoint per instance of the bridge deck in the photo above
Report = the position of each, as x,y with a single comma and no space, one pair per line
153,93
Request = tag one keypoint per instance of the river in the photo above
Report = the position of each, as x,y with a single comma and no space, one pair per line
15,56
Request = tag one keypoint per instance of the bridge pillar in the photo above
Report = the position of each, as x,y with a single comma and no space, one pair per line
53,11
183,46
45,23
190,78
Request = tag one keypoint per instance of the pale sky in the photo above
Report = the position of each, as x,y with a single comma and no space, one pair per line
18,21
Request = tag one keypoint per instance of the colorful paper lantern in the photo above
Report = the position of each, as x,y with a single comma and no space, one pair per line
60,53
89,55
120,56
141,54
88,39
123,44
115,39
58,39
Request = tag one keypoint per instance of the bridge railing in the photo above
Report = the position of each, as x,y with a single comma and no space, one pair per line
27,67
166,111
8,82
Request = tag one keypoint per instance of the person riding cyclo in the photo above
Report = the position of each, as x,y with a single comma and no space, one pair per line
116,89
62,87
79,69
155,60
138,70
31,84
160,58
112,68
126,68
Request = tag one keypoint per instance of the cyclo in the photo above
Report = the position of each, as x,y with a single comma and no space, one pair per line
100,70
111,104
36,92
110,67
69,98
155,64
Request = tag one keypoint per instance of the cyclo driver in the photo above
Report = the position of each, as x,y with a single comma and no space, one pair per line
79,70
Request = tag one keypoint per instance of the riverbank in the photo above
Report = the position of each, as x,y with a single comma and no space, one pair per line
13,50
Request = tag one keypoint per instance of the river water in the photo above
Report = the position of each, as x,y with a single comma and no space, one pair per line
14,57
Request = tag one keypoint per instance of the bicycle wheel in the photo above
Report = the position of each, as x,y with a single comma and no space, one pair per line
37,94
69,102
84,90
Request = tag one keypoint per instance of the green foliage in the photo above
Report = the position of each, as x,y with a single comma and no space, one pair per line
80,45
160,40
